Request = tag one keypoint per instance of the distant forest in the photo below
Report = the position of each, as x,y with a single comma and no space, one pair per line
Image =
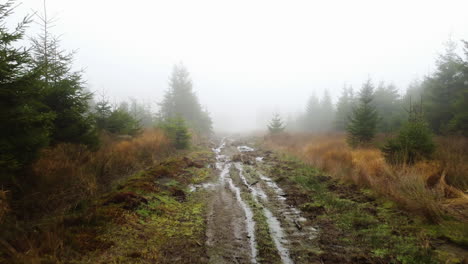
441,97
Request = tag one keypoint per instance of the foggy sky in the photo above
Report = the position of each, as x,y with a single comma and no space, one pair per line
248,59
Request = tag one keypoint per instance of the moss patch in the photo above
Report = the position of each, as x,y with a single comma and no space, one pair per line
149,218
354,225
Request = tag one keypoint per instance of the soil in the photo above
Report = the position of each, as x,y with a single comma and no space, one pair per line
243,202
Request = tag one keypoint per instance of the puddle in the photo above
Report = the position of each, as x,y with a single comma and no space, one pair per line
250,223
204,186
277,235
274,186
245,148
291,214
221,146
276,232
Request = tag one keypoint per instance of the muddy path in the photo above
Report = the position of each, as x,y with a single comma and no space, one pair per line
249,220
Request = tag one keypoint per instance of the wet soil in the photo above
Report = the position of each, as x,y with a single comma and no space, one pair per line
248,218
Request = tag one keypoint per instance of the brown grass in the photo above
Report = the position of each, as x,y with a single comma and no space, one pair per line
427,187
4,206
453,154
63,177
68,173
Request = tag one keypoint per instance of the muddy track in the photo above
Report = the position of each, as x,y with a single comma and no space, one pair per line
248,218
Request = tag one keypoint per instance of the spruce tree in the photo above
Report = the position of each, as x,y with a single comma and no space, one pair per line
363,121
276,125
344,108
311,115
388,105
414,141
459,122
326,113
177,131
62,89
442,89
25,121
181,101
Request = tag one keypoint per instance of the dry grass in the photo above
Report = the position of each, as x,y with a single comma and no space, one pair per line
4,206
427,187
453,154
63,177
68,173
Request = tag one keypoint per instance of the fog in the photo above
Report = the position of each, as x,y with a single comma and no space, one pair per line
248,59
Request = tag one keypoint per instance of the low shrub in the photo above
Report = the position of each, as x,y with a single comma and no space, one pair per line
413,143
177,131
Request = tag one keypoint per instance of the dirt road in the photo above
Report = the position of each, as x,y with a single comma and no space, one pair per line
249,220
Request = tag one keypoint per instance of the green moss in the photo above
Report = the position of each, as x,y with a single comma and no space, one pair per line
160,229
375,228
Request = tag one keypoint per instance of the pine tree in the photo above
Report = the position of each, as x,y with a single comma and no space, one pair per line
25,121
363,122
276,125
180,100
62,89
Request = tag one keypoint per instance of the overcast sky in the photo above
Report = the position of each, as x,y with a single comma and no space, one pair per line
250,58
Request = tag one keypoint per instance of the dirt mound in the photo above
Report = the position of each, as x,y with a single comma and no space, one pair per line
130,200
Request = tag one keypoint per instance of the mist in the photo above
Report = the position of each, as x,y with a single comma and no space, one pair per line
250,59
233,131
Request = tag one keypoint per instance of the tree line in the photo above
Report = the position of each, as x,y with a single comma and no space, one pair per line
442,98
45,102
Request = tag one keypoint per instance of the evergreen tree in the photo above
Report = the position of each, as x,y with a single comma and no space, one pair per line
177,131
276,125
25,121
180,100
414,141
116,121
363,121
103,110
326,113
344,108
141,112
121,122
459,121
62,89
442,89
388,104
312,113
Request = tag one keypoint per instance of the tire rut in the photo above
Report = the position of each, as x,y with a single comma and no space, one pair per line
231,236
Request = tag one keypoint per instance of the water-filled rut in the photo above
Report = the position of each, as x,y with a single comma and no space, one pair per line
240,192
